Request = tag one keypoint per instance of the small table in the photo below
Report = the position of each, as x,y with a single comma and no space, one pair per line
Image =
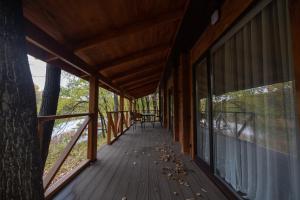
148,117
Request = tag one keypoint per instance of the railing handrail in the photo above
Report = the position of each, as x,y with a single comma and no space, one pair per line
54,117
53,171
118,111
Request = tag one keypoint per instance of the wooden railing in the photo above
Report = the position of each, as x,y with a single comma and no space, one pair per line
63,156
117,124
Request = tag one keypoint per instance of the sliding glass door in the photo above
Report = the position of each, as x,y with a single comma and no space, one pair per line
202,114
254,127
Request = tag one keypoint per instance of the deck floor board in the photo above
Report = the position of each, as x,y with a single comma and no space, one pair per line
131,168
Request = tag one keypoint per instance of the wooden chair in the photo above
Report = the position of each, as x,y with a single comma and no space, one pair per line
135,117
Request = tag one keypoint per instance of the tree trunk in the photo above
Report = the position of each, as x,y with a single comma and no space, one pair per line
143,104
147,98
20,158
49,106
116,103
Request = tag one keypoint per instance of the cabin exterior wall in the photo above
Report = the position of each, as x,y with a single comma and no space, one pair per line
182,79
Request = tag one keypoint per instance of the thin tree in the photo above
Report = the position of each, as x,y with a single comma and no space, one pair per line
20,158
116,103
49,106
147,99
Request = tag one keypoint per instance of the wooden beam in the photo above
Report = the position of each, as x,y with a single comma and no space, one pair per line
140,73
141,81
65,66
37,52
42,40
137,69
138,76
93,125
134,56
145,93
143,87
142,84
128,30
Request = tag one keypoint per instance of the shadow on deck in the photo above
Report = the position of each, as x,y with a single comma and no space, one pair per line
132,168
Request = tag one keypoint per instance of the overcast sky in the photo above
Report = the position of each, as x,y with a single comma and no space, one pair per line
38,71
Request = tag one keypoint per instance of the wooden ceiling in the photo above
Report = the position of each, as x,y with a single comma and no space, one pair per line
125,43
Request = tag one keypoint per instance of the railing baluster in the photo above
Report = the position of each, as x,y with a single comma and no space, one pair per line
51,174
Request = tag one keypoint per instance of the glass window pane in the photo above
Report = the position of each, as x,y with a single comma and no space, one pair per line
202,111
256,139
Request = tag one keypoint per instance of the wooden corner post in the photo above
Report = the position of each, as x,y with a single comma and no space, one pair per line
93,125
122,113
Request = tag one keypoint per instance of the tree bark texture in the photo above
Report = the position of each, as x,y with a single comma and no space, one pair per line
49,106
20,158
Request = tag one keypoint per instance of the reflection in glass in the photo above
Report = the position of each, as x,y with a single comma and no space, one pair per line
256,140
202,111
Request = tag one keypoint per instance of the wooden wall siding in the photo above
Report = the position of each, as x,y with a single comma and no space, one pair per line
186,102
115,38
93,125
295,30
165,105
180,104
229,13
176,95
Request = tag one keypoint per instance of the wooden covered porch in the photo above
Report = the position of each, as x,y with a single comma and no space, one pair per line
135,48
142,164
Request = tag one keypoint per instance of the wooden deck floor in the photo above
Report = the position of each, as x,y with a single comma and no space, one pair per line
131,168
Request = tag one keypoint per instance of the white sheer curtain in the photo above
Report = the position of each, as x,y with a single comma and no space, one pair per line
203,147
256,137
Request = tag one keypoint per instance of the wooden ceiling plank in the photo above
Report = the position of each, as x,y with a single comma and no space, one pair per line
134,56
42,40
128,30
138,94
141,85
141,81
138,69
39,38
138,73
131,78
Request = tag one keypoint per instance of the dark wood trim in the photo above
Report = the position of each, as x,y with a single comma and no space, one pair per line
129,29
142,79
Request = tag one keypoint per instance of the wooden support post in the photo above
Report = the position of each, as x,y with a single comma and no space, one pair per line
122,110
165,105
93,109
176,104
187,108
